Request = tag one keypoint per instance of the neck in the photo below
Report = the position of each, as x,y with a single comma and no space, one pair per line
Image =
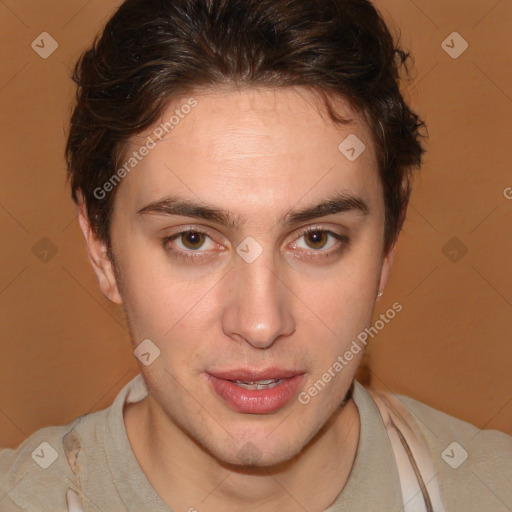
187,477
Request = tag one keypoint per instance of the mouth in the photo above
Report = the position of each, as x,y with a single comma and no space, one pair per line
262,384
251,392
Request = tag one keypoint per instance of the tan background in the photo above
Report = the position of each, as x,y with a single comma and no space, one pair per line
65,348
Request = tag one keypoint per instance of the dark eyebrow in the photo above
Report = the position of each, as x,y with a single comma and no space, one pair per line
340,203
187,208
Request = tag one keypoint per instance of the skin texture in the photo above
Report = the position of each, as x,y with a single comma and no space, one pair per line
258,153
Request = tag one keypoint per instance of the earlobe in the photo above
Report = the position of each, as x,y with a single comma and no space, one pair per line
98,256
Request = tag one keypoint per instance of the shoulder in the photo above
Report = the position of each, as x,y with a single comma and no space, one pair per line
474,466
38,474
55,464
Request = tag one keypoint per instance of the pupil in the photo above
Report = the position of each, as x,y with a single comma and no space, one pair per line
317,236
192,238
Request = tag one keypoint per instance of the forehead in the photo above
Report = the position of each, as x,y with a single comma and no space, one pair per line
262,146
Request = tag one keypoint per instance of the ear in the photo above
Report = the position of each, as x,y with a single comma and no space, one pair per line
390,256
386,269
98,256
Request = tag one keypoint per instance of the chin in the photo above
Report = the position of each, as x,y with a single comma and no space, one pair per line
256,451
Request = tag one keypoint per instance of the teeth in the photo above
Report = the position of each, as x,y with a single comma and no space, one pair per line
260,384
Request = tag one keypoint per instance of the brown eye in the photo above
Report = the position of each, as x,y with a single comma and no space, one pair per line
316,239
190,244
321,243
192,239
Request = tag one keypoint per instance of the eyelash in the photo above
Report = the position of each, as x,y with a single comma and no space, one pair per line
191,255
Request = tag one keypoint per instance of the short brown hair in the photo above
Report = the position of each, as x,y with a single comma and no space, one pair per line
152,51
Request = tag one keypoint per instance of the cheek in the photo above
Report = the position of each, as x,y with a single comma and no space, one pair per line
146,293
344,296
161,300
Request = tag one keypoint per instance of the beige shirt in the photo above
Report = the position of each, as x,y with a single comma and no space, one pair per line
92,456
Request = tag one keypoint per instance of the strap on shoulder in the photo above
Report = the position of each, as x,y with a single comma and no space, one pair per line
420,488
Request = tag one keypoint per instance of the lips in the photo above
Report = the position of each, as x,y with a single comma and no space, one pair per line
248,375
256,391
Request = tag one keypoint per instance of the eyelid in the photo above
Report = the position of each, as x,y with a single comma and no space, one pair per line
314,227
199,228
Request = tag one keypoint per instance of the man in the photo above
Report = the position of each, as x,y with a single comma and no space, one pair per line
241,172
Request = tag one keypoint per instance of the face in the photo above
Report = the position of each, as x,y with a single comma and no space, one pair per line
248,248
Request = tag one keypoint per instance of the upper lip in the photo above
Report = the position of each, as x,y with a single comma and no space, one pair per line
252,375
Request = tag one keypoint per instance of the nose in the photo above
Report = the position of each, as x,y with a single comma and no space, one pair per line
258,306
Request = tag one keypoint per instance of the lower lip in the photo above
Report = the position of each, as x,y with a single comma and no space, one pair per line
257,401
